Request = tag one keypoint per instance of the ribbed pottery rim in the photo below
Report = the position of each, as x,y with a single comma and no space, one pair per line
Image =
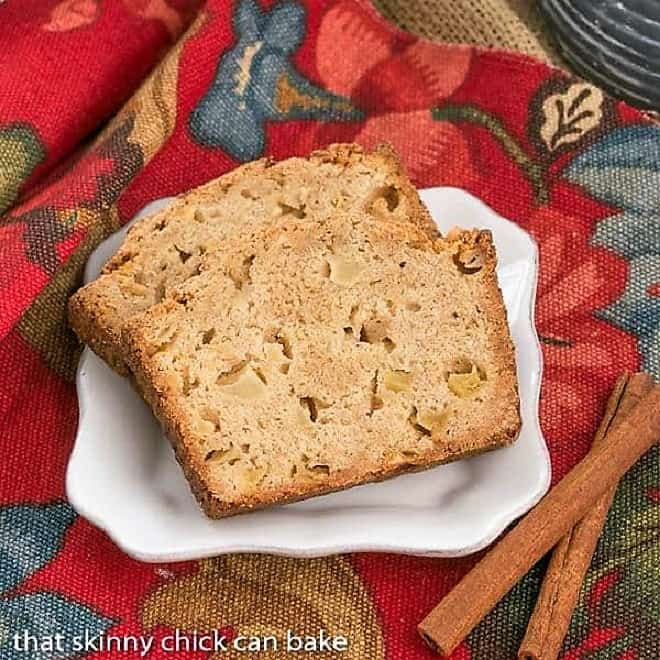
591,46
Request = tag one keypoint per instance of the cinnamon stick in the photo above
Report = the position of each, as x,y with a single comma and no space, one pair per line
571,557
479,591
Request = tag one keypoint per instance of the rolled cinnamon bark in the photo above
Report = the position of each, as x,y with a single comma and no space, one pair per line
571,557
478,592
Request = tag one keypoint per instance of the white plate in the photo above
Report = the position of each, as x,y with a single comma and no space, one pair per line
123,477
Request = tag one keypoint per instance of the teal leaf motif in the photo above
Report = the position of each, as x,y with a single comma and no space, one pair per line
623,170
284,28
42,616
30,536
626,233
256,82
636,311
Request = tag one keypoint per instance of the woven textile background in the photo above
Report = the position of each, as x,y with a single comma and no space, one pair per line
578,170
511,24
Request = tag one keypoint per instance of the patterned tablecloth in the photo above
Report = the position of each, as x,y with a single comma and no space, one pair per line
575,168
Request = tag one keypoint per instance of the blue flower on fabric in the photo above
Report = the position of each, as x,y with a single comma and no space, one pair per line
623,170
31,535
255,82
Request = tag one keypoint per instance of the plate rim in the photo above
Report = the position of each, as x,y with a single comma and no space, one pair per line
308,549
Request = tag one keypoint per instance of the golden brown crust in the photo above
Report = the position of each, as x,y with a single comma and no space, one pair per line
87,318
149,387
421,216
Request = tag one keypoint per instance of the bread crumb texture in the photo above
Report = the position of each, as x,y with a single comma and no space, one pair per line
309,356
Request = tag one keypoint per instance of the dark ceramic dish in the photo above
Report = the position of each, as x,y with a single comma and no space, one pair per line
614,43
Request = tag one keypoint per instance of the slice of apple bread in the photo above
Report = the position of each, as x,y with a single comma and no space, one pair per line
307,357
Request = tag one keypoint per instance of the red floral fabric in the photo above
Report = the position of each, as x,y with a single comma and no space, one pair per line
105,106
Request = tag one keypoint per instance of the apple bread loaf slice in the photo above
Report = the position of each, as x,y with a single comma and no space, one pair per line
308,357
